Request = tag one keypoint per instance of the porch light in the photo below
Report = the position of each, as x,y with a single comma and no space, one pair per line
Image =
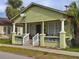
23,15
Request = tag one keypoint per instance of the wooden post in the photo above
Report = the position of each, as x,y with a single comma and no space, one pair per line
62,35
42,35
13,34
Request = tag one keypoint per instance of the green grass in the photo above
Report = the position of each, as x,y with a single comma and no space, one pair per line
75,49
35,54
6,41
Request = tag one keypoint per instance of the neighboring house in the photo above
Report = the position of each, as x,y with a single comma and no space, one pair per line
42,26
5,28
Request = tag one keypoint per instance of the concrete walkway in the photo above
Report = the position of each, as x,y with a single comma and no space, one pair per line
46,50
5,55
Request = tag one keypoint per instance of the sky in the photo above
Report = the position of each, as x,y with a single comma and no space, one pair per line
57,4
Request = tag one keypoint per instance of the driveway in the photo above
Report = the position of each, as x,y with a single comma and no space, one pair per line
5,55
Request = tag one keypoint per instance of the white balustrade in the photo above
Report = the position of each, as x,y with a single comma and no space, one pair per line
26,39
36,40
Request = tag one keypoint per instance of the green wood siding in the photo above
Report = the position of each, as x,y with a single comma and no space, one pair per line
37,14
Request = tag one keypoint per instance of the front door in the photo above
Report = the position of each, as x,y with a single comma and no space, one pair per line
38,28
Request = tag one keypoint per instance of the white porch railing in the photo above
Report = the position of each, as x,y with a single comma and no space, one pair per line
26,39
36,40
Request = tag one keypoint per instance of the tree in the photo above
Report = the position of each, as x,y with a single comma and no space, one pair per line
13,8
15,3
74,11
11,12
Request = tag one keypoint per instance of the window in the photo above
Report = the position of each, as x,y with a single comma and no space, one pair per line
19,30
54,28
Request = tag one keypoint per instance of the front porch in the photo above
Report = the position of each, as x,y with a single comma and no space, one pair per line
45,34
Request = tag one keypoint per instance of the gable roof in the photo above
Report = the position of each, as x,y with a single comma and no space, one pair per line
4,21
39,5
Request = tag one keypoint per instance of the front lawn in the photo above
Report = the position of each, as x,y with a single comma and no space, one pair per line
5,41
75,49
35,54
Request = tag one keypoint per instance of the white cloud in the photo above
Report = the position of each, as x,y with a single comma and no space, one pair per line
2,5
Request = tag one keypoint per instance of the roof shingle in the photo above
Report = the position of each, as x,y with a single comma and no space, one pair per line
5,21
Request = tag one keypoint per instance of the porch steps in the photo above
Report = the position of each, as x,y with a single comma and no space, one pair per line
29,43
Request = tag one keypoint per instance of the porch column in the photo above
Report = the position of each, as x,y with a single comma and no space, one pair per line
42,35
13,34
62,35
6,32
26,28
62,25
13,27
43,27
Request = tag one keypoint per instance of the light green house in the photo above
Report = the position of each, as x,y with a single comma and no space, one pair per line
38,25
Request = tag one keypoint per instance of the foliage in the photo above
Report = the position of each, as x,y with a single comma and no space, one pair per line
75,49
15,3
77,17
13,8
5,41
11,12
74,11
